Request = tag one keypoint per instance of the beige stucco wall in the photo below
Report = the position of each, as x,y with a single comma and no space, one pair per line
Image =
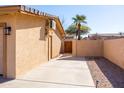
56,44
114,51
87,48
10,21
27,46
74,48
62,46
30,44
1,50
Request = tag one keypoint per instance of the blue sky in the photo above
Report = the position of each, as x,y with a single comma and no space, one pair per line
101,19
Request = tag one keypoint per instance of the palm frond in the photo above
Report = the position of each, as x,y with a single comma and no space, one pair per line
74,19
79,19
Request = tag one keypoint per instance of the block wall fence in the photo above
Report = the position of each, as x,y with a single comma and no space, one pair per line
112,49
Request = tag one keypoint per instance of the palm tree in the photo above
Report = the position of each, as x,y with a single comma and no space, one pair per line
78,19
71,30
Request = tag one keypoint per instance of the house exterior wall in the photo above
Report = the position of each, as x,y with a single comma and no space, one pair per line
56,44
30,43
87,48
62,46
10,21
1,50
114,51
27,46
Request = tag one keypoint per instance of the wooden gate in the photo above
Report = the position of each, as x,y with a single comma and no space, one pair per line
67,46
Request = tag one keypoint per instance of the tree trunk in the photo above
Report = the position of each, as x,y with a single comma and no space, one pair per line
79,37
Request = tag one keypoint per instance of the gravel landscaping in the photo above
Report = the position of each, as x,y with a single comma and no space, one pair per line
106,73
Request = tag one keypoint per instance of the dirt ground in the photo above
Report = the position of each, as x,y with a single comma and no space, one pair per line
106,73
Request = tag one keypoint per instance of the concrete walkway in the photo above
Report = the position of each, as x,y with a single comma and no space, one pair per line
66,71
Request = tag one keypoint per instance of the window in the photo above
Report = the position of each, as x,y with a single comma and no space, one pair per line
52,24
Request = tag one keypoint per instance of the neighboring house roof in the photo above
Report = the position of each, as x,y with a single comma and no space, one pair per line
106,36
70,36
31,11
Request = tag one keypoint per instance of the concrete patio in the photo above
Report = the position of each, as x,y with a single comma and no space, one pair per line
65,71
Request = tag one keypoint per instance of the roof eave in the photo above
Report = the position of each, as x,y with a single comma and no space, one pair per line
31,11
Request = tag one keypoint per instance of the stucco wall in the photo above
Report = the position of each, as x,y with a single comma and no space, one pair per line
87,48
30,44
56,44
1,50
114,51
10,21
62,46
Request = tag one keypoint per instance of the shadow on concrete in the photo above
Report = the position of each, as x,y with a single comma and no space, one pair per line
3,80
112,72
70,57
